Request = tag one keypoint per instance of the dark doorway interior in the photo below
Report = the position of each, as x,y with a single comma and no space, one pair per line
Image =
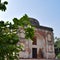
34,52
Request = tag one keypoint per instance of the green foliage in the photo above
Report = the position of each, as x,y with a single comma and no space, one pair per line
29,33
3,5
57,47
23,21
58,56
9,38
57,43
8,35
8,41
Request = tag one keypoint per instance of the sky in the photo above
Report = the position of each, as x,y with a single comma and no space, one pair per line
47,12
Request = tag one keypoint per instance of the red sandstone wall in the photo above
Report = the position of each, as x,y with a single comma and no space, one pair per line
47,44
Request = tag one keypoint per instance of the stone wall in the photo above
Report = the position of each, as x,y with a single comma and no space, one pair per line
44,42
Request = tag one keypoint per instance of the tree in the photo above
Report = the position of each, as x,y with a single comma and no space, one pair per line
8,35
57,47
9,38
3,5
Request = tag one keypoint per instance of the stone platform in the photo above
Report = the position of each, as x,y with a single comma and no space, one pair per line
39,59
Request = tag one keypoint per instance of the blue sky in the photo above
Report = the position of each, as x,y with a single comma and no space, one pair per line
47,12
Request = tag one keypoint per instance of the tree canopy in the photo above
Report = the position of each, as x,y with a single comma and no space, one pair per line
9,37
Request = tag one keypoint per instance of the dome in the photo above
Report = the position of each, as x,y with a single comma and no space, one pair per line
34,22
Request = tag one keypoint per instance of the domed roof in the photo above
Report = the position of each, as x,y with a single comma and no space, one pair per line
34,22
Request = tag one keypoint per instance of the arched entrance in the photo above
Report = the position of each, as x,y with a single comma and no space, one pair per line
40,46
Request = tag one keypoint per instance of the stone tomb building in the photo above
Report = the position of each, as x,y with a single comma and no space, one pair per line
42,46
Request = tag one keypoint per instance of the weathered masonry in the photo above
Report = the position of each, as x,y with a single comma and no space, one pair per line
42,46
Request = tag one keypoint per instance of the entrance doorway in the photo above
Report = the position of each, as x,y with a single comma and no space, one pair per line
34,52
